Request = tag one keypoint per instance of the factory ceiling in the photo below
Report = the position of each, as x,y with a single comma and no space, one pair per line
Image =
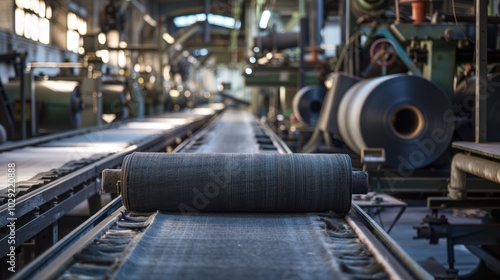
235,13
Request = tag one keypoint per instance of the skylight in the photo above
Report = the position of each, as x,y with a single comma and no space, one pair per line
223,21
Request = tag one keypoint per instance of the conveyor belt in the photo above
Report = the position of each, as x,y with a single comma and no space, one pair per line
54,154
249,246
58,172
232,134
231,246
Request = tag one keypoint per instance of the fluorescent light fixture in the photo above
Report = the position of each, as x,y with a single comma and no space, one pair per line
168,38
264,19
147,18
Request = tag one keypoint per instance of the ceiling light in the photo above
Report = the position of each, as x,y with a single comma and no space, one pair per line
147,18
168,38
101,38
264,19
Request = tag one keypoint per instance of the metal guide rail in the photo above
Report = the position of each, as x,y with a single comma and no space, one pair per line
99,250
56,173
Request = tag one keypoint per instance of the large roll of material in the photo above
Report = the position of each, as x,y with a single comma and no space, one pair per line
307,103
368,7
3,135
59,103
403,114
192,183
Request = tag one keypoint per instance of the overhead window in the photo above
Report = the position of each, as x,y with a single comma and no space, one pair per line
77,26
32,20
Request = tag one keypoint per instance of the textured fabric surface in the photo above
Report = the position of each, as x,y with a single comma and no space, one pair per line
277,183
233,246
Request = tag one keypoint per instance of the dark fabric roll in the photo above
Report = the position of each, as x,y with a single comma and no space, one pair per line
405,115
307,103
281,183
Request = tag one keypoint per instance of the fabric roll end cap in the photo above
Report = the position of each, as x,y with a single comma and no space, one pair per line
111,180
359,182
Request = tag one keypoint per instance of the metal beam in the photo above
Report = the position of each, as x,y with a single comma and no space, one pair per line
481,71
207,25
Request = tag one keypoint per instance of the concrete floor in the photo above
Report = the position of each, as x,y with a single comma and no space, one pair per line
420,250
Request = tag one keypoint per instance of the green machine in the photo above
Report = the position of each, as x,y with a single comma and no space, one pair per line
122,97
114,99
427,49
58,104
154,96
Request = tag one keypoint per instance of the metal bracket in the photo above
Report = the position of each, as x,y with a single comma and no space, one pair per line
372,158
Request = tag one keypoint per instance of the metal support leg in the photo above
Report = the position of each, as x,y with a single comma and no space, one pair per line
94,203
450,247
46,238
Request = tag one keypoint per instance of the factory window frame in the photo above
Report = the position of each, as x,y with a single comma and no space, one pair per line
77,27
32,20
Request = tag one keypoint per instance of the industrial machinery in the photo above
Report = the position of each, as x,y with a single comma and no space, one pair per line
61,170
250,199
122,97
58,104
154,97
47,105
401,96
401,126
401,91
